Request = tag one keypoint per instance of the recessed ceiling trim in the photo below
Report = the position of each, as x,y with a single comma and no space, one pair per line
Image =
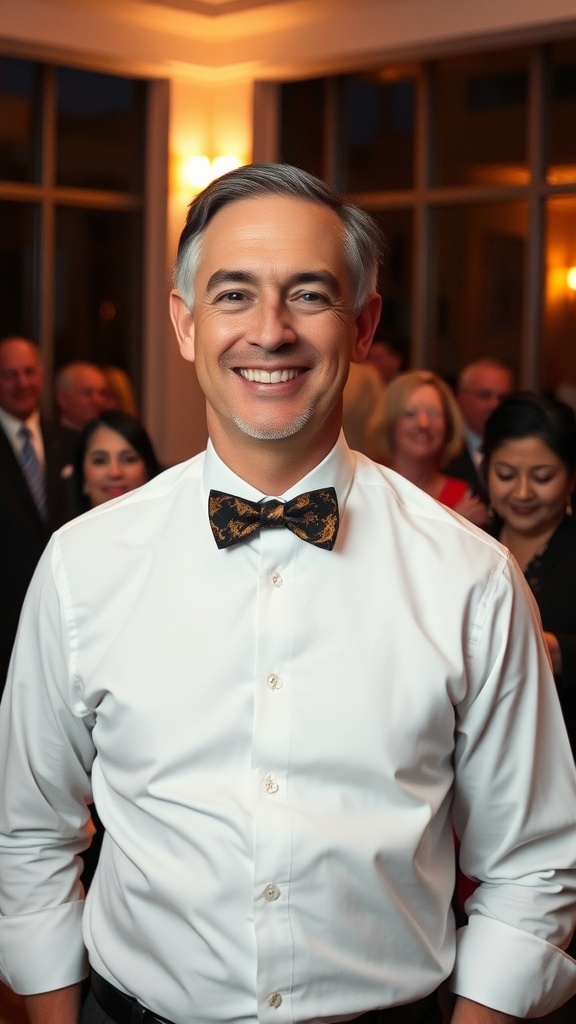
214,8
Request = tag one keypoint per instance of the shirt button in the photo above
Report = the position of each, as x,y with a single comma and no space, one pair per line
275,1000
270,784
271,892
274,681
277,579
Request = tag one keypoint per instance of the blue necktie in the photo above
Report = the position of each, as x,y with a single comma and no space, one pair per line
32,471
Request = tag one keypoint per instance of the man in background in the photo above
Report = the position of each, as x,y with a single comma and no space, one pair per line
35,458
81,393
481,387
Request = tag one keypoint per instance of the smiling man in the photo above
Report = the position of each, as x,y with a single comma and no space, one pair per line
286,676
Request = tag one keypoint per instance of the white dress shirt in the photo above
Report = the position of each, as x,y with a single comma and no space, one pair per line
270,733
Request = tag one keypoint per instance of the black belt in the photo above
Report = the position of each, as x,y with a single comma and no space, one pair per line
125,1009
121,1008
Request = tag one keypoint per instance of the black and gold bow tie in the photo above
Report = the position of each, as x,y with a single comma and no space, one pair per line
312,517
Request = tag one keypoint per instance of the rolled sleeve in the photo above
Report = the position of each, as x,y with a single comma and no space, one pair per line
515,813
50,941
485,945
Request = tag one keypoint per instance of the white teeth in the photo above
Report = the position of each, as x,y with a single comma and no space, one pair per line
266,377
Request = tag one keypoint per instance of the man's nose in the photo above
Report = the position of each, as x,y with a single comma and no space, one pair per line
270,326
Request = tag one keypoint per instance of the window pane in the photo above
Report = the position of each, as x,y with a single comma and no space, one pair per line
562,143
481,120
17,307
477,284
559,333
395,278
18,118
302,125
378,144
98,287
99,131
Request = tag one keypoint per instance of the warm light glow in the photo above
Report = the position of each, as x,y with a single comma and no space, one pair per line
198,171
571,278
195,172
221,164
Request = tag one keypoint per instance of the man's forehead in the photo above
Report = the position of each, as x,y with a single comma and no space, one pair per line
488,376
19,354
282,218
88,376
266,233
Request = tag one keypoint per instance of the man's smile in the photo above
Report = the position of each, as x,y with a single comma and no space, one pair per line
269,376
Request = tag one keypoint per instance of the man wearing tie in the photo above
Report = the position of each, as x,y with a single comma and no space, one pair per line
286,675
482,385
34,454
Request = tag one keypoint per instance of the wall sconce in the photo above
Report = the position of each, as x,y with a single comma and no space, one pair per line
571,278
198,171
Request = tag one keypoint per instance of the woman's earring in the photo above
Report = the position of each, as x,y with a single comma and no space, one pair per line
569,509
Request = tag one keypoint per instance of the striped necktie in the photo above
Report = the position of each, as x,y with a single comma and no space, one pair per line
33,471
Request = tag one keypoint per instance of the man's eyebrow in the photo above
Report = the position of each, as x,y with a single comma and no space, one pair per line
324,277
220,277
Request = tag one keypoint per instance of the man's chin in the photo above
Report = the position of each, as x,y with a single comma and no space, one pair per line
274,432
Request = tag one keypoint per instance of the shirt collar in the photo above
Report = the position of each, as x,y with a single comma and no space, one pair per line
336,470
11,425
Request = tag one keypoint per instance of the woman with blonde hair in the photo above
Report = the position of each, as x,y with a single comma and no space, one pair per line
418,430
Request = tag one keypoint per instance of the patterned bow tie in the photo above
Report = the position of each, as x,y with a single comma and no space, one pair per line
312,517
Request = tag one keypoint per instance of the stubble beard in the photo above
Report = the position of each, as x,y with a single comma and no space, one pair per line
278,433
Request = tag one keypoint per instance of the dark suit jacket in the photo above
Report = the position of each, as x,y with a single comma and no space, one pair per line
552,579
462,466
23,535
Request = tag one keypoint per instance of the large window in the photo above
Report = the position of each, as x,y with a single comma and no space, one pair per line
469,164
71,208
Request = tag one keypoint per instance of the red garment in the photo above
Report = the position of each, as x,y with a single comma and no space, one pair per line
453,491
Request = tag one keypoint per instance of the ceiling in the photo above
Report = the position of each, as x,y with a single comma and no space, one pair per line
213,8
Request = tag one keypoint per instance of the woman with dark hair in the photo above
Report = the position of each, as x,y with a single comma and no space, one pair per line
114,456
530,465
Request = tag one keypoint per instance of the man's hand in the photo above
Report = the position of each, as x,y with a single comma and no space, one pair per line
59,1007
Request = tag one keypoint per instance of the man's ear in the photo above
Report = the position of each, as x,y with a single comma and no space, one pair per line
183,321
366,324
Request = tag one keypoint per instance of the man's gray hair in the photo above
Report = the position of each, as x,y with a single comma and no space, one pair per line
363,240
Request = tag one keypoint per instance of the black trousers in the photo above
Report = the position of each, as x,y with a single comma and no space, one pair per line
423,1012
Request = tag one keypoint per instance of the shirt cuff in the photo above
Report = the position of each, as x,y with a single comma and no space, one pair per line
43,951
511,970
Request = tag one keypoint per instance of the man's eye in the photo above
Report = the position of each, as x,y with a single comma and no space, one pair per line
311,298
231,297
